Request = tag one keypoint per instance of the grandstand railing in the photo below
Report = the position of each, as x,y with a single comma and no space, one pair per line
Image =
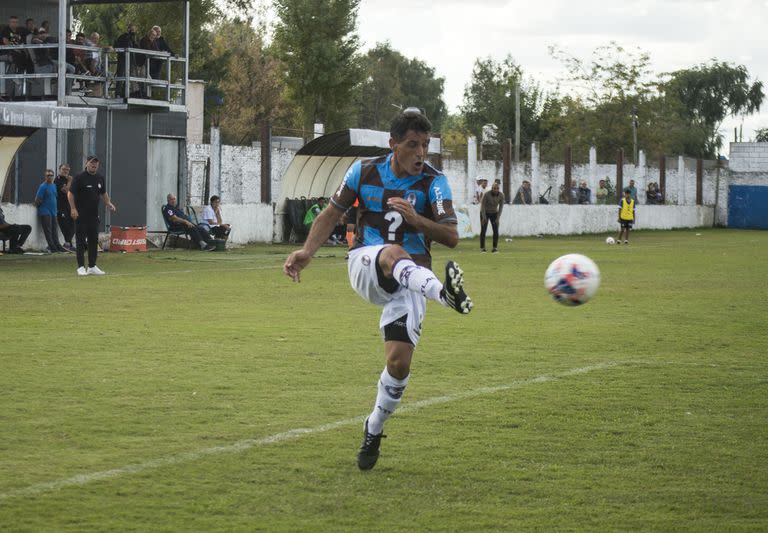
111,85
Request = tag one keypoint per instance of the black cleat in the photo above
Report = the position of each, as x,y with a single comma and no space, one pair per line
369,450
453,289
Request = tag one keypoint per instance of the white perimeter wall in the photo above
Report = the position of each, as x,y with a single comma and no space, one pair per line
240,189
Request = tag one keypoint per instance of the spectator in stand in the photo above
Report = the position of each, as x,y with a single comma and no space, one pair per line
46,203
178,221
144,62
162,46
64,214
602,193
584,193
28,33
212,221
96,65
80,56
17,234
126,40
523,195
10,35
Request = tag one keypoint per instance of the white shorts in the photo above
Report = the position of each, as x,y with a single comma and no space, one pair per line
365,281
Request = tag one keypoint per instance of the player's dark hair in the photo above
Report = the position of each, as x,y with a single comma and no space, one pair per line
410,119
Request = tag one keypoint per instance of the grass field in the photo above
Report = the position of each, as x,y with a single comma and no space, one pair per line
187,391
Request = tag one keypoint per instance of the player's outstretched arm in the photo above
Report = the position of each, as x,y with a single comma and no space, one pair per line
321,229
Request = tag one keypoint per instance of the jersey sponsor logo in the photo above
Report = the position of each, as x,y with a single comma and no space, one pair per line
439,200
341,187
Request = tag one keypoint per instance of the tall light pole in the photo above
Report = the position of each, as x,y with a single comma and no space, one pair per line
634,134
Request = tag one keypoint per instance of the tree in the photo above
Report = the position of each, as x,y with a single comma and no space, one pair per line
761,135
709,93
317,43
609,93
391,82
250,84
490,99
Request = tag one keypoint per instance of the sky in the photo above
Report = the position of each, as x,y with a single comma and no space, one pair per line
449,35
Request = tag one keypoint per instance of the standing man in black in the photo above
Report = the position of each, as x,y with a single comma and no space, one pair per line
83,196
64,216
126,40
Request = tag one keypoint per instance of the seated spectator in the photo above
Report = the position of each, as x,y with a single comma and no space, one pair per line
46,202
602,193
178,221
17,234
523,195
41,57
80,56
653,194
584,194
564,195
312,213
212,221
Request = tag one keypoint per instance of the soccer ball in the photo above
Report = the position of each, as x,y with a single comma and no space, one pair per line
572,279
610,240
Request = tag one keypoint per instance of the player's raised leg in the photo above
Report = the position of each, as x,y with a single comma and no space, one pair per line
395,262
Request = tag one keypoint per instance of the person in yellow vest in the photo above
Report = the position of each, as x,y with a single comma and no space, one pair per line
626,215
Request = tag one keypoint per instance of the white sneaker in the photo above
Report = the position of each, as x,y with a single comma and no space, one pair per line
81,271
95,271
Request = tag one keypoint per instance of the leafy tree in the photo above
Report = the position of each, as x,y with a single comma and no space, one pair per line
250,86
317,43
710,93
761,135
391,82
490,99
454,134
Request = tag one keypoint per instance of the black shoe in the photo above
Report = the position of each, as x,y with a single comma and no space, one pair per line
453,289
369,450
16,250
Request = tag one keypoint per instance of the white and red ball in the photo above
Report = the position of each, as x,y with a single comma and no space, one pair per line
572,279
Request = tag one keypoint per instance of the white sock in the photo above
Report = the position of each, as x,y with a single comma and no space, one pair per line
418,279
387,399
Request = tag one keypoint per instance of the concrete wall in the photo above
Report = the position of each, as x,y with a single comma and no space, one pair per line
240,176
748,166
749,157
527,220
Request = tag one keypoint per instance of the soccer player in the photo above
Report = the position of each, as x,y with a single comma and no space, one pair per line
626,215
404,204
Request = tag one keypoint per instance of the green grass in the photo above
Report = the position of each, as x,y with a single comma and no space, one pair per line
646,409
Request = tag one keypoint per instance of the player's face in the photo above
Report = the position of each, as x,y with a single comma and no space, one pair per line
409,154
